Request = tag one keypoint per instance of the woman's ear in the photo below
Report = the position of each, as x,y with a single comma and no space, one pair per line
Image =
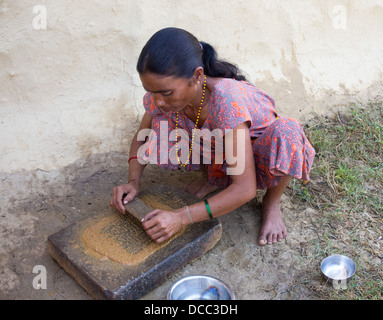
198,75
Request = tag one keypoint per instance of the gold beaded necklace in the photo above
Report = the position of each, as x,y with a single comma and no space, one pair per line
195,127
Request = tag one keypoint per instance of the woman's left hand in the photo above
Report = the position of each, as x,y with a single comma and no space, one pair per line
160,225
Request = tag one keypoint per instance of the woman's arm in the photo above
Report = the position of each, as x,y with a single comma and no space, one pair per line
161,225
136,169
243,187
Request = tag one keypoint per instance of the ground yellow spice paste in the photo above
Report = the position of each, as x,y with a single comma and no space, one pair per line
121,238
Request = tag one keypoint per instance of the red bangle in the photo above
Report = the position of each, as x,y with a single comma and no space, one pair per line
131,158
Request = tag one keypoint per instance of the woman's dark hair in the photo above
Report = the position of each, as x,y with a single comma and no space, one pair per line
176,52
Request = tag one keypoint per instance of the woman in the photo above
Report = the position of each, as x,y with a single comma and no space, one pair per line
189,89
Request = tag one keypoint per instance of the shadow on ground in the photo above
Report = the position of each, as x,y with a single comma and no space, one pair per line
40,203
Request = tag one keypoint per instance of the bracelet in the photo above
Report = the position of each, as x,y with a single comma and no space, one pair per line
131,158
188,210
208,209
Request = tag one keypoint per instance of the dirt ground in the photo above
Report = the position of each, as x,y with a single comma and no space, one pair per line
37,204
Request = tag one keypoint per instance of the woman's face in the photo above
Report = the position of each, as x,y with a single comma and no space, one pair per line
171,93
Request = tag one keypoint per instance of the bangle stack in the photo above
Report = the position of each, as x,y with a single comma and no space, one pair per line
207,208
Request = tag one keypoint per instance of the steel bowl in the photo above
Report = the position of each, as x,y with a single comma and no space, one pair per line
338,267
198,287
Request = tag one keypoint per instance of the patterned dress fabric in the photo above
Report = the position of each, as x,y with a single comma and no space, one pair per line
280,146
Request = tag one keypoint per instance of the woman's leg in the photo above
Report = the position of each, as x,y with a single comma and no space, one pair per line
280,153
273,229
201,188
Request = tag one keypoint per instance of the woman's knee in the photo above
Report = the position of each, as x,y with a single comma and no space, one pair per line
288,125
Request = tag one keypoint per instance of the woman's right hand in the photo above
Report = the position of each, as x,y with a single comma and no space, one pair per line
123,194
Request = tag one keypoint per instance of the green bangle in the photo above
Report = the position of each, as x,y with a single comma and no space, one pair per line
208,209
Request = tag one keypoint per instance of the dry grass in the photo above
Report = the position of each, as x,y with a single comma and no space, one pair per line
346,195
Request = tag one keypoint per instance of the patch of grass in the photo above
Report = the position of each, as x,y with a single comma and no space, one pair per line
346,192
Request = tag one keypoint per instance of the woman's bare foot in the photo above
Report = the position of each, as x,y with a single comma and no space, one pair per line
200,188
273,229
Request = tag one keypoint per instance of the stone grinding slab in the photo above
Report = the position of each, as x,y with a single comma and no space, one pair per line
139,264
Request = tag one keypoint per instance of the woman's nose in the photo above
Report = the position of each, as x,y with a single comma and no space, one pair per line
158,100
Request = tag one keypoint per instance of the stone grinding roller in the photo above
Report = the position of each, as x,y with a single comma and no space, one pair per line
138,208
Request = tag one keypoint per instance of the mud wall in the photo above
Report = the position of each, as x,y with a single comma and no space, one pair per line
69,89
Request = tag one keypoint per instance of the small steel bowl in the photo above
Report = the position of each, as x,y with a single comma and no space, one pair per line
338,267
198,287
